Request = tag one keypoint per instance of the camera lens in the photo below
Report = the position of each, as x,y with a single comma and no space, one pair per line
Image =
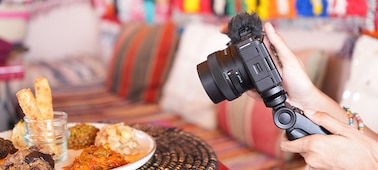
223,75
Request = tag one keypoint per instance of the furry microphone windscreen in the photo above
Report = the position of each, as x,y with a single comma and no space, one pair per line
244,21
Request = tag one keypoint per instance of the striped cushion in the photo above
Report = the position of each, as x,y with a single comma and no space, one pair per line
250,122
141,59
78,70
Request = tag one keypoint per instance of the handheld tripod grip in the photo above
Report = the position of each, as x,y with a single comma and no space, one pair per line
296,124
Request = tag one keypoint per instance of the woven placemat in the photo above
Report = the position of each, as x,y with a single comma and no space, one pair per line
177,149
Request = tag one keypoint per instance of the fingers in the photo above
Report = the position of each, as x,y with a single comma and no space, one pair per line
306,144
285,54
224,29
295,146
327,121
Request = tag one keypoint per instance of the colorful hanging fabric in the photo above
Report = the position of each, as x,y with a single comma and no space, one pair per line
376,17
234,7
286,8
219,7
231,9
263,9
205,6
130,10
149,8
243,5
250,5
337,8
191,6
282,7
356,8
317,7
273,10
371,16
304,8
178,4
163,10
238,6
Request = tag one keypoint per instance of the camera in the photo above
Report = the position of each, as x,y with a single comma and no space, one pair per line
246,64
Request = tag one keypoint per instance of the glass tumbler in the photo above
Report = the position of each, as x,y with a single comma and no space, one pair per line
51,135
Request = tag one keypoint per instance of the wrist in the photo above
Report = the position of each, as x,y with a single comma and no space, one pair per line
309,99
315,98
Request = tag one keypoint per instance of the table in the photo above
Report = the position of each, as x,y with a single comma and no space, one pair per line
177,149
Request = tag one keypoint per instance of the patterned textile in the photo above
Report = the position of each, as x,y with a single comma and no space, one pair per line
43,7
250,122
73,70
138,74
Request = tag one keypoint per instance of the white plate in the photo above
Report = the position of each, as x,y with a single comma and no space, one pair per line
146,141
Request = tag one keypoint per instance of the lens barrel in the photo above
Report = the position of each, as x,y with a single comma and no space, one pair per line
223,75
208,83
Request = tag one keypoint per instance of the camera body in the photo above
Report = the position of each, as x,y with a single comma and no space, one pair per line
241,67
246,64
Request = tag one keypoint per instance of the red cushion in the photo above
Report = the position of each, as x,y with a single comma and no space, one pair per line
251,123
141,59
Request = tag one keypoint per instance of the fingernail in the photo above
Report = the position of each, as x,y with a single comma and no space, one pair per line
270,26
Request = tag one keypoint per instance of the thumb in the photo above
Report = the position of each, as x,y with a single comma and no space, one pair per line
327,121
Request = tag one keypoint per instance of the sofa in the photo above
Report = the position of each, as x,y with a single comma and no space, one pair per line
135,72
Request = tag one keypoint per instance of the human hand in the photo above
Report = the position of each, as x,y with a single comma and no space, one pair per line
295,80
346,148
294,77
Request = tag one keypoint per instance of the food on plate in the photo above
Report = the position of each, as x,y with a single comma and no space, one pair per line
97,157
18,133
39,108
120,138
33,157
82,136
6,148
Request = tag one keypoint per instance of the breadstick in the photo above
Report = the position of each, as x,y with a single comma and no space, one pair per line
28,104
44,98
44,101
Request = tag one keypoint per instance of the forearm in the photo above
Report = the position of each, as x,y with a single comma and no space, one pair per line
324,103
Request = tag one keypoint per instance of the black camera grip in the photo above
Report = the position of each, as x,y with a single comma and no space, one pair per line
304,127
296,124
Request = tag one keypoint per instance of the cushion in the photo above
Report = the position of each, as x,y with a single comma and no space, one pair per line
13,22
71,70
58,29
361,88
251,123
142,57
183,93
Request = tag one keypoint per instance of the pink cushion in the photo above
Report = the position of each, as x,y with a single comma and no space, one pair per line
251,123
